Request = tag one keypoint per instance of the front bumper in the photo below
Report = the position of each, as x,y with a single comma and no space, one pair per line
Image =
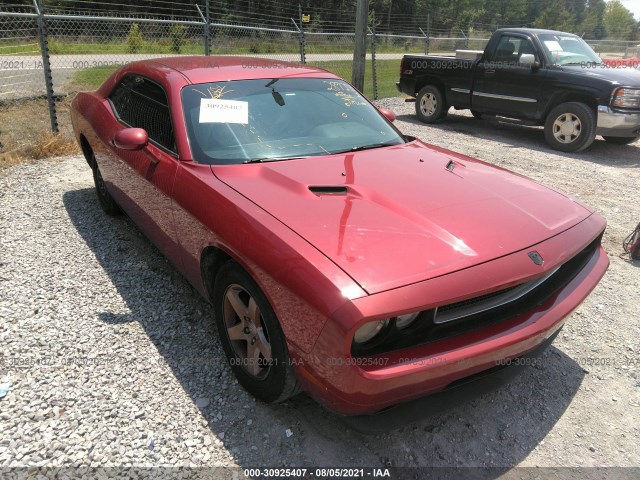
617,124
352,386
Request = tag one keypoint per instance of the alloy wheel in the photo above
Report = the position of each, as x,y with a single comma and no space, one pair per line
247,331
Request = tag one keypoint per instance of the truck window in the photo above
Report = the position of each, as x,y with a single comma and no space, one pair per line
510,48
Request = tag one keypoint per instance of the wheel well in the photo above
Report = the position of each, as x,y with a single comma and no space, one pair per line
86,150
426,83
210,262
589,101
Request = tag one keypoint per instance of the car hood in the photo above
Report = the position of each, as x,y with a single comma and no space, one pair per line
398,215
621,76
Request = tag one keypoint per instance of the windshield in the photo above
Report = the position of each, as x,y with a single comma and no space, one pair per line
568,50
247,121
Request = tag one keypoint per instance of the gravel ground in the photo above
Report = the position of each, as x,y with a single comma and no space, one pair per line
112,360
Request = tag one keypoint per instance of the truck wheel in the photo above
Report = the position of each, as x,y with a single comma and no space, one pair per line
570,127
620,140
431,106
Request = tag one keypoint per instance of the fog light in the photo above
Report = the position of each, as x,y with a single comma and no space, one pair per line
369,330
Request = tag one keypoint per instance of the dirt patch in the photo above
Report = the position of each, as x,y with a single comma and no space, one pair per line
25,131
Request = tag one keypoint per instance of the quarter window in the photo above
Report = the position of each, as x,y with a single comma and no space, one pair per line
142,103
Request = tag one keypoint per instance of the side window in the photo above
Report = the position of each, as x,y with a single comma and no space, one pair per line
141,103
510,48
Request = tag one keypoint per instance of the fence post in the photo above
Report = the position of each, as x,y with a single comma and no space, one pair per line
46,66
207,28
466,37
360,45
303,53
426,42
374,75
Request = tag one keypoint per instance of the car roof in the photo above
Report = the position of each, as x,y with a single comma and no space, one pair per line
203,69
534,31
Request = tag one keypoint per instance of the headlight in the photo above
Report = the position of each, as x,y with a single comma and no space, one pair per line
392,333
404,321
369,330
626,98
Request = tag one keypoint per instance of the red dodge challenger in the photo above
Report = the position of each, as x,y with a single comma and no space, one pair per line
343,258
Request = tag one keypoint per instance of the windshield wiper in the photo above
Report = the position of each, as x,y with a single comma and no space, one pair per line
359,148
579,64
270,159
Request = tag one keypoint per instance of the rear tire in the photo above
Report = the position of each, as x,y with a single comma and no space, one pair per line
431,106
620,140
570,127
251,336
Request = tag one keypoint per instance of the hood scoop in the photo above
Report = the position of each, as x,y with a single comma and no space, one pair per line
328,189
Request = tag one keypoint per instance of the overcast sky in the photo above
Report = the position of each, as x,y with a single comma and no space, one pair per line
634,6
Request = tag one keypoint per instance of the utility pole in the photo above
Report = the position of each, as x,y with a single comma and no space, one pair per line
360,50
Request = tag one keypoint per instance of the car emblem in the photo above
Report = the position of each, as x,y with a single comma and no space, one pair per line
536,258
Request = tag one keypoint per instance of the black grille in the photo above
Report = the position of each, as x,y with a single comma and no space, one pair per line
472,301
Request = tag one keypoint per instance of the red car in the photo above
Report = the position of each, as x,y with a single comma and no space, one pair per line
631,62
343,258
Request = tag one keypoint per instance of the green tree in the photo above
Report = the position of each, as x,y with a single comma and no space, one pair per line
134,39
619,21
556,18
592,25
178,34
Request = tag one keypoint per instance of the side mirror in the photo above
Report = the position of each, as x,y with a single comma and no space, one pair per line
528,60
131,139
389,115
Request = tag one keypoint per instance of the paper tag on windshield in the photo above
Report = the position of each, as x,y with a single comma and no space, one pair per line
553,45
223,111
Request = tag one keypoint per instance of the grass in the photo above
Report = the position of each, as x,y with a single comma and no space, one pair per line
223,45
90,78
388,72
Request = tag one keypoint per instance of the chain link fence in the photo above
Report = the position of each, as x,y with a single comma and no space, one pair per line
47,56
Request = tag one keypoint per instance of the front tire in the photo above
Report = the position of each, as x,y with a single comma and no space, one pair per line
620,140
107,202
431,106
570,127
251,336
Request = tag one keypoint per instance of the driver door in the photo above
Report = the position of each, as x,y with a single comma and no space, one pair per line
503,86
144,179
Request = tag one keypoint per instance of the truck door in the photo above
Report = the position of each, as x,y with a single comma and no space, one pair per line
504,85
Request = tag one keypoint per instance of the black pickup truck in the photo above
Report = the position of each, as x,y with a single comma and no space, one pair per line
532,77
